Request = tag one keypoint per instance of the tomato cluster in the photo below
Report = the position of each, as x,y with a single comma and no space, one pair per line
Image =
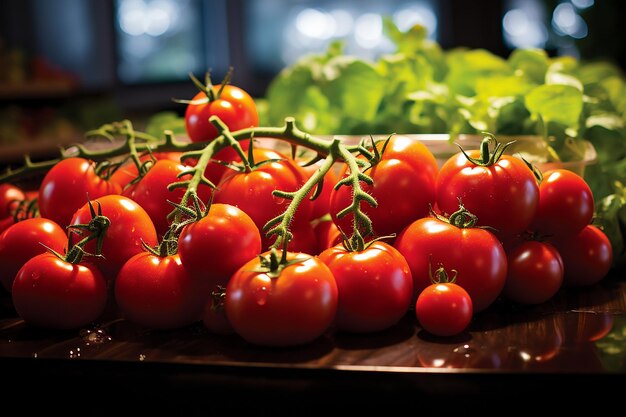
483,222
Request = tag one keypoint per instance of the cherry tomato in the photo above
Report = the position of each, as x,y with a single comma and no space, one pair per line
130,226
535,273
475,253
128,172
151,192
404,187
293,308
303,239
375,286
327,235
565,204
214,316
10,196
444,309
587,256
234,107
252,192
503,195
226,238
67,187
49,292
158,292
23,241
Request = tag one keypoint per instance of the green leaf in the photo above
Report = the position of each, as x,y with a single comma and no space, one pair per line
556,103
467,66
167,120
532,64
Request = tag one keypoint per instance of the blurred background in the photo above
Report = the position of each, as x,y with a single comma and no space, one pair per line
67,66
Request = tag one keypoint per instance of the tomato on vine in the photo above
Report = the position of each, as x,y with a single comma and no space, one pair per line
375,286
10,196
281,300
499,189
444,308
66,187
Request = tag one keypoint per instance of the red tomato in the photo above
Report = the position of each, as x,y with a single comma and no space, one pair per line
130,226
158,292
50,292
214,317
23,241
225,239
152,194
475,253
293,308
404,187
565,204
234,107
444,309
375,286
503,195
303,239
587,256
252,192
535,273
10,196
67,187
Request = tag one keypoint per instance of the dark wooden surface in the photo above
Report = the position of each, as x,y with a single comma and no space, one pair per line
577,340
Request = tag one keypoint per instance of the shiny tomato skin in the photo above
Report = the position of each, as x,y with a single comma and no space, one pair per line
234,107
10,196
216,246
49,292
23,241
151,192
535,273
128,172
327,235
475,253
375,286
158,293
504,195
404,187
130,226
67,186
252,193
444,309
294,308
565,204
587,256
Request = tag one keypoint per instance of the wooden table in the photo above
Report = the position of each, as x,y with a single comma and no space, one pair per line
575,342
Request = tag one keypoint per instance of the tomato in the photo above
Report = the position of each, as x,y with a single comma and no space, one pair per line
565,204
151,192
375,286
292,308
503,195
303,239
535,273
252,192
158,292
587,256
49,292
444,309
404,187
23,241
67,187
225,239
10,196
234,107
475,253
130,226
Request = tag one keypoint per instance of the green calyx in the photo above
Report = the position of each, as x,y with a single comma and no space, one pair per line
440,275
96,230
487,157
272,264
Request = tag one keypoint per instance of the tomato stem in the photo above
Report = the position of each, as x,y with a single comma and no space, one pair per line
96,229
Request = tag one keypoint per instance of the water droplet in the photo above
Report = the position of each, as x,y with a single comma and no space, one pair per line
261,296
74,353
464,350
35,355
95,336
142,357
